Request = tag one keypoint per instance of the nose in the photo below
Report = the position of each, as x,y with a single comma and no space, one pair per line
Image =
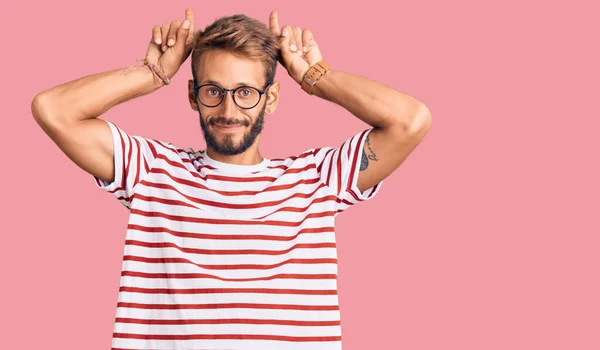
228,105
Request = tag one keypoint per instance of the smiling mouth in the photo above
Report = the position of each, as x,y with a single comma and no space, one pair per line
227,126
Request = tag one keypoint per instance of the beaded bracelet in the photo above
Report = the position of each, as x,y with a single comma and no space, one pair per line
154,68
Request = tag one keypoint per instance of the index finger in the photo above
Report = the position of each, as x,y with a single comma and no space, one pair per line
189,15
274,23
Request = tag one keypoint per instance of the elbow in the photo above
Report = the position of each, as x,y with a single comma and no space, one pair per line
413,125
416,123
39,107
43,113
44,110
421,122
413,120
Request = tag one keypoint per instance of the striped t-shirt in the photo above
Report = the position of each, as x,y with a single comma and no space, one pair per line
224,256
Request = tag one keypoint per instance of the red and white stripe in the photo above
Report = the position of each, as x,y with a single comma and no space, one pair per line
219,256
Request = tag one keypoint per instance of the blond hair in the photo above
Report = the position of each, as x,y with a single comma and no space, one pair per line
242,35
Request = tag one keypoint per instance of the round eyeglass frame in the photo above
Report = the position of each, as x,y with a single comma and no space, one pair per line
224,94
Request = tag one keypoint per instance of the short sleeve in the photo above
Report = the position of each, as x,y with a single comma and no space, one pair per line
133,159
339,167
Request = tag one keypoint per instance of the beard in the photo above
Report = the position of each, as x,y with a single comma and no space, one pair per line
226,146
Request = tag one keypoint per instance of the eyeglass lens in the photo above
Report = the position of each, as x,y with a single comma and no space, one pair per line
245,96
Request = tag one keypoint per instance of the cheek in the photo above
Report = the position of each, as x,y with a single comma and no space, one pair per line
205,113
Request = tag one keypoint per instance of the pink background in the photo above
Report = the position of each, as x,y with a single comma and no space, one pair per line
487,237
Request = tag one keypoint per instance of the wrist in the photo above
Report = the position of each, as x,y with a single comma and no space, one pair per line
313,75
158,74
153,80
324,85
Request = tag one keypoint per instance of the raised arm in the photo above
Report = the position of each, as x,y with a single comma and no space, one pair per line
68,112
399,121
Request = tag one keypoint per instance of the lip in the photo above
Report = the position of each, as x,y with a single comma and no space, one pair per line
227,127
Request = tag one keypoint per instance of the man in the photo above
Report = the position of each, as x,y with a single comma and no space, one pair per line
227,249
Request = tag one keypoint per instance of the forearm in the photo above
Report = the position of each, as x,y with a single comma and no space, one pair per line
372,102
91,96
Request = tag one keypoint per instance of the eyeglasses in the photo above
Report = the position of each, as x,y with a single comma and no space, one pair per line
212,95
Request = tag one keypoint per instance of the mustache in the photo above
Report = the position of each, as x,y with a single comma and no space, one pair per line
225,121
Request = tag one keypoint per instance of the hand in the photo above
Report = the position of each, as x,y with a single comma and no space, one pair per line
299,50
171,44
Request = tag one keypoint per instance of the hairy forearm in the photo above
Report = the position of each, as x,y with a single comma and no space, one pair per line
372,102
90,96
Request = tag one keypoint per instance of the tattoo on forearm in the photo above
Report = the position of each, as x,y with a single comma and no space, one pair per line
364,162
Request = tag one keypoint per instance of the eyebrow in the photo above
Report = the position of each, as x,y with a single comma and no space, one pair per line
239,84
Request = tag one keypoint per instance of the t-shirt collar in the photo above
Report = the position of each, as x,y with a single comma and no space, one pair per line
234,168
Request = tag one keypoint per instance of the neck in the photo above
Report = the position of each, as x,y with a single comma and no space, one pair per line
250,157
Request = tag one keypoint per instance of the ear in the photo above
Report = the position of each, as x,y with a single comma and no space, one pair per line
272,95
192,95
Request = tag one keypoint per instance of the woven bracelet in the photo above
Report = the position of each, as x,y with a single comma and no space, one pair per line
154,68
156,71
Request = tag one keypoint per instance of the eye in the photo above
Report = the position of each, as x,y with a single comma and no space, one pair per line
213,92
245,92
